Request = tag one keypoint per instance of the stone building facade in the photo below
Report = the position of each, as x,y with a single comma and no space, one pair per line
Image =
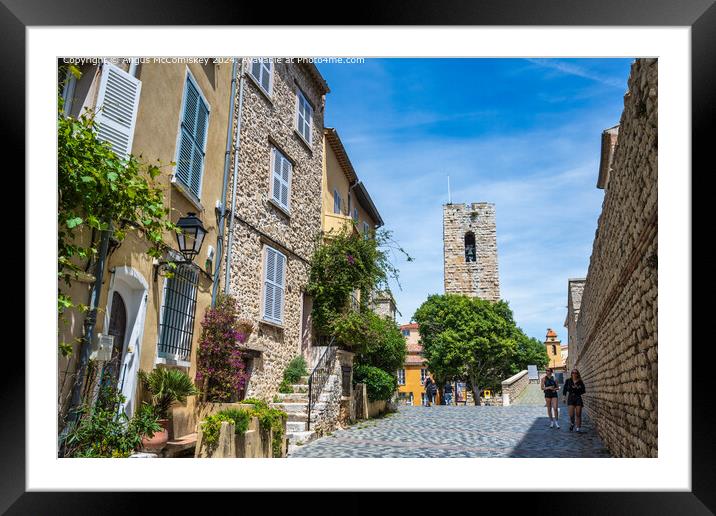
470,250
575,287
275,222
617,324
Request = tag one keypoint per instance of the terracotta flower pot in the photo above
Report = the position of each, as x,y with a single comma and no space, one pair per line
158,441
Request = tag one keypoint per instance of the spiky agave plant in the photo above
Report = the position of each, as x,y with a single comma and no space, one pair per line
167,386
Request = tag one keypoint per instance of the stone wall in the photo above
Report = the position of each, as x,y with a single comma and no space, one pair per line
268,122
481,277
617,324
513,386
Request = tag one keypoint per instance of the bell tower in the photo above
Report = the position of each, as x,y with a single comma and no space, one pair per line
470,250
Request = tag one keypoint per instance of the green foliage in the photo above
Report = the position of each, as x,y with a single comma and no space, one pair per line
269,419
380,385
342,264
100,191
211,425
106,431
471,338
296,368
382,345
166,387
285,387
530,351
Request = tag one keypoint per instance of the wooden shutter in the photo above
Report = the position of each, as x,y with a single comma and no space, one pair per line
192,138
281,179
116,112
274,277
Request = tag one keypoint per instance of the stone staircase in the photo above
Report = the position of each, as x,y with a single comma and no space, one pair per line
295,404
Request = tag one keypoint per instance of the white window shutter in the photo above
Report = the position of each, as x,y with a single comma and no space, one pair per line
281,179
269,288
116,111
278,302
274,276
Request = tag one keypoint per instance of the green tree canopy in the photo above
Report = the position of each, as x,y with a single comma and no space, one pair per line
383,345
474,339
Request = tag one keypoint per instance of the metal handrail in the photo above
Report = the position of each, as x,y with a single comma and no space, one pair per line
319,376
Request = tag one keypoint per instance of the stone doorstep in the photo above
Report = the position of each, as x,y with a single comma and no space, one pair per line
295,426
179,445
304,437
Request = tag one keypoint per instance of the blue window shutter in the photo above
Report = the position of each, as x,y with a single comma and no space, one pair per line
192,139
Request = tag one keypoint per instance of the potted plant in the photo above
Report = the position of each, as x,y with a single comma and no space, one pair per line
146,425
166,387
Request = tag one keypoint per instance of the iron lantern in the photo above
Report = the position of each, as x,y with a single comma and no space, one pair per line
191,235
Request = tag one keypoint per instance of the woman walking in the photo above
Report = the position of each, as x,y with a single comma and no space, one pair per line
551,397
430,389
573,389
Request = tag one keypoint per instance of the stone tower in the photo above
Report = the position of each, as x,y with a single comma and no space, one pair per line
470,250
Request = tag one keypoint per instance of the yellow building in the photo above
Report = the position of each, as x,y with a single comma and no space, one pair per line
412,376
554,351
159,112
347,206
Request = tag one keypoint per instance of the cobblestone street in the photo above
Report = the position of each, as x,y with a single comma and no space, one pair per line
462,431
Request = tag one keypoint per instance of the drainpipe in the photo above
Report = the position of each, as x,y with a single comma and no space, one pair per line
222,208
89,325
233,181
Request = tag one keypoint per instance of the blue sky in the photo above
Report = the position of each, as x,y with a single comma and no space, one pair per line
521,133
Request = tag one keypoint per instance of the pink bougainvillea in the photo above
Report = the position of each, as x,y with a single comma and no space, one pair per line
221,366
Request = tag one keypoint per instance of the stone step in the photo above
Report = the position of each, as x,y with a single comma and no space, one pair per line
302,437
303,380
296,397
290,407
300,387
295,426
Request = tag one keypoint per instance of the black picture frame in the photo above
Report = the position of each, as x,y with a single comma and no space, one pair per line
700,15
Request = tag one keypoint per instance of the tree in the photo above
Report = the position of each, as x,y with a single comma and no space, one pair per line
473,339
383,345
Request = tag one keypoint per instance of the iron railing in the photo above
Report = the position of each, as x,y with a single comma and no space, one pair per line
319,376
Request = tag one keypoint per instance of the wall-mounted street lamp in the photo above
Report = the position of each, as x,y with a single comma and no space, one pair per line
191,235
189,241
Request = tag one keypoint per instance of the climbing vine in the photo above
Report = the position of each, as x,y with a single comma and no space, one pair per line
100,191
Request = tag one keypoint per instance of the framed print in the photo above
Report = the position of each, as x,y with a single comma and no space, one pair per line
416,252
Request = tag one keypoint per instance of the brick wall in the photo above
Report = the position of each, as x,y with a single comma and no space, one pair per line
617,324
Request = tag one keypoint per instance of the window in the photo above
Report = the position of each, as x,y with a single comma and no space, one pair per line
262,71
117,103
178,311
406,333
191,148
366,230
401,376
423,375
304,116
274,277
355,214
470,247
554,349
336,202
280,179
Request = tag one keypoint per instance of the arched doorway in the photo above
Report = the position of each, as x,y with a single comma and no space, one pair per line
118,329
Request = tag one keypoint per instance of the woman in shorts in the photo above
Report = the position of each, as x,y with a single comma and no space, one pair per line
573,389
551,397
